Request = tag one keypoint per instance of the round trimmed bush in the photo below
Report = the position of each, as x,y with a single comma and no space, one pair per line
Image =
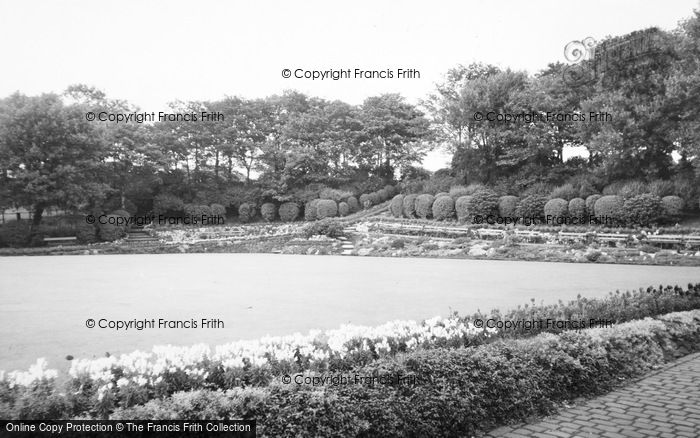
507,205
365,201
310,213
197,210
110,231
462,207
246,212
409,206
354,204
383,195
483,203
85,233
218,210
671,208
375,198
641,210
343,209
590,203
397,205
289,211
268,211
443,207
610,206
326,208
424,205
437,195
555,210
577,208
531,206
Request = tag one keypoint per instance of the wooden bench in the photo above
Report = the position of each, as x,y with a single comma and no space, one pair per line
61,241
610,237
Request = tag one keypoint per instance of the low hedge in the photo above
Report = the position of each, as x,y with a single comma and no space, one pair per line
365,201
443,207
396,206
324,227
289,211
448,392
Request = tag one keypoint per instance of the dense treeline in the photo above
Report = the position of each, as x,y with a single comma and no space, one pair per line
290,147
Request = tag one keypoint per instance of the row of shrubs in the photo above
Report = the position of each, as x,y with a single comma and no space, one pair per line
451,392
639,210
331,203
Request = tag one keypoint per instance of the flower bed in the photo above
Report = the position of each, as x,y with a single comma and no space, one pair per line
457,392
97,387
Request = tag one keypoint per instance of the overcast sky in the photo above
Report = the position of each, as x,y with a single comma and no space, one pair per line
153,52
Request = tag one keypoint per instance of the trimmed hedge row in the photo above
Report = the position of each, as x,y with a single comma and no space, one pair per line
449,392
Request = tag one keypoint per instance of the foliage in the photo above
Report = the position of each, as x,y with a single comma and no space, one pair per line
632,189
443,208
15,233
197,210
507,206
343,209
310,211
661,188
397,206
409,205
566,192
326,208
111,229
218,210
610,206
642,210
577,208
325,227
462,208
424,205
531,206
246,212
334,194
353,204
167,204
268,211
590,204
289,211
555,210
483,202
672,207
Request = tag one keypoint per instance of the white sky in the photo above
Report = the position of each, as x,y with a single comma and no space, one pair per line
154,52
